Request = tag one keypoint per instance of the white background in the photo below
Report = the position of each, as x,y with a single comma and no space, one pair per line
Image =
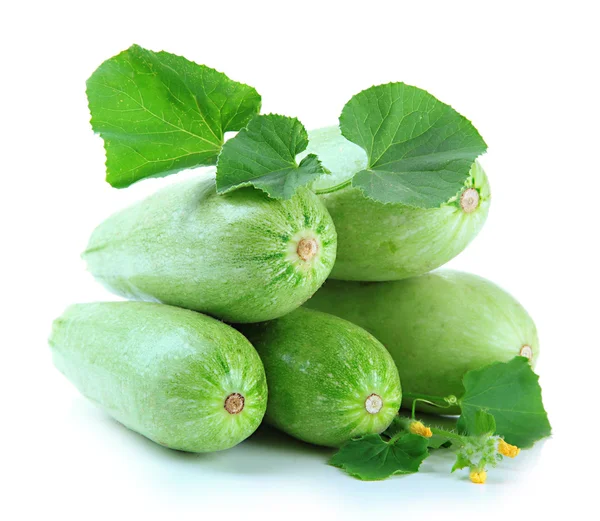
523,72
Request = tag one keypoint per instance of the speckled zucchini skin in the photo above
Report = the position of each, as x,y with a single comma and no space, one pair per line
232,256
437,326
162,371
379,242
320,371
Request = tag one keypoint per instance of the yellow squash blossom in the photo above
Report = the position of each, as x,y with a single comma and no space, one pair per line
416,427
478,476
506,449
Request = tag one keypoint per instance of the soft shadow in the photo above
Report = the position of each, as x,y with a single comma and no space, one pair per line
273,439
88,412
267,451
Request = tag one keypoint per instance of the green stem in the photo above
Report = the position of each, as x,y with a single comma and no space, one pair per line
334,188
404,424
429,400
414,396
449,401
395,437
452,436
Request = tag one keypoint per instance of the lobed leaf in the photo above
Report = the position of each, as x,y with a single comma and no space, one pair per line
264,155
510,392
159,113
371,458
419,149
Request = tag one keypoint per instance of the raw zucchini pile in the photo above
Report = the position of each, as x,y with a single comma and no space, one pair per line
214,337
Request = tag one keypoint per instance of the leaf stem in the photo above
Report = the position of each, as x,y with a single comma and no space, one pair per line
449,401
404,424
452,436
334,188
396,436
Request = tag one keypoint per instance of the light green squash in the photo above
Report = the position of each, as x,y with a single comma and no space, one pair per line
329,380
436,327
378,242
182,379
241,256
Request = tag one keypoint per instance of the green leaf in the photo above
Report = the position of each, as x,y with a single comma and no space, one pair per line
264,155
371,458
484,424
419,149
462,462
159,113
437,441
511,393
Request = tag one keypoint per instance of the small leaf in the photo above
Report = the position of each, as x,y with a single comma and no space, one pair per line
419,149
371,458
511,393
484,424
264,155
462,462
159,113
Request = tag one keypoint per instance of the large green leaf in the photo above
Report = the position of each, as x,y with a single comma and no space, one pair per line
159,113
510,392
371,458
264,155
419,149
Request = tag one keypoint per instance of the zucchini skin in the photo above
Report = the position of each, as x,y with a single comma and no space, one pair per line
320,371
232,256
162,371
436,326
380,242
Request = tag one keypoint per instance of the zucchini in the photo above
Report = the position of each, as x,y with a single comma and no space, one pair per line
241,256
437,326
182,379
379,242
329,380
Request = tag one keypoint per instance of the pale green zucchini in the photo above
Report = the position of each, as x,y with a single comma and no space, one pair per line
437,326
329,380
378,242
241,257
182,379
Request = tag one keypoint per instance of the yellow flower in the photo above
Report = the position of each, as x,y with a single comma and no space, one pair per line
506,449
478,476
416,427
